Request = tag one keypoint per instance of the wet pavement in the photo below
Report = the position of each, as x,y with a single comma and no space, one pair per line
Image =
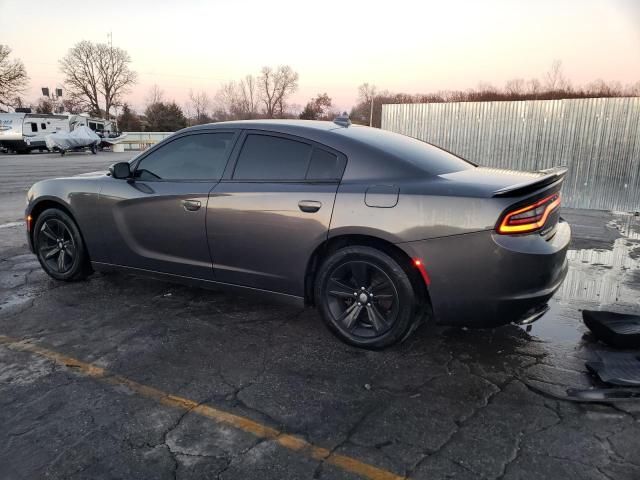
126,377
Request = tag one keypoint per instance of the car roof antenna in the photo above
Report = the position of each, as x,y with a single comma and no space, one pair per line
342,120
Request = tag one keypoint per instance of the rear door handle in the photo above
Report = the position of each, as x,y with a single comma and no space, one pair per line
309,206
191,205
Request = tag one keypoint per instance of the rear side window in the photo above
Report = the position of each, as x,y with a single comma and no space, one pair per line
193,157
425,156
34,127
325,166
43,126
272,158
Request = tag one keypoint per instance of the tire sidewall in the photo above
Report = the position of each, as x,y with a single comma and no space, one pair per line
405,319
79,262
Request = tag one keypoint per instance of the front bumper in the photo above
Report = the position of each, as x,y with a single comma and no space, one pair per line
484,279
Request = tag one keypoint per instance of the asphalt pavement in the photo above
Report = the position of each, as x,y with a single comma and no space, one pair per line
125,377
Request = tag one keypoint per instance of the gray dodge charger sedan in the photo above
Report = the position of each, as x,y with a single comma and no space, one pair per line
377,230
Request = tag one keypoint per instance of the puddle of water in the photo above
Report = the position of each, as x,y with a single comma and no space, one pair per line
598,279
555,326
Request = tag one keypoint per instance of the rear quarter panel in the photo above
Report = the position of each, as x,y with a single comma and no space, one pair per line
422,211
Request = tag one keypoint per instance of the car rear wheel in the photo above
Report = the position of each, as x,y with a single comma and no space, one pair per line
59,246
366,298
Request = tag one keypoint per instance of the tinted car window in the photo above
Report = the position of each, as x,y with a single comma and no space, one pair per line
194,157
324,166
424,155
272,158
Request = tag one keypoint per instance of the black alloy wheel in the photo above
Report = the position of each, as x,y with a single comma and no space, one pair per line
362,297
366,298
59,246
56,246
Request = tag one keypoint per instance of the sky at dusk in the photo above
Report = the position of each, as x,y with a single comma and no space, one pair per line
414,47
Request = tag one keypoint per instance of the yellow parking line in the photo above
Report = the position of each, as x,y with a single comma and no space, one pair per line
290,442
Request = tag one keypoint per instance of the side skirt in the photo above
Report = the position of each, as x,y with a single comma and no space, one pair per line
276,297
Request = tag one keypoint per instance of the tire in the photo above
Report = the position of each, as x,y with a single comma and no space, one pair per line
94,149
55,229
366,298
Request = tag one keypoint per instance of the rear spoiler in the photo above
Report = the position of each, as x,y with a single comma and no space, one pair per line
548,177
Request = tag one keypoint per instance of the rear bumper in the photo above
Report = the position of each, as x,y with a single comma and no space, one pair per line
485,280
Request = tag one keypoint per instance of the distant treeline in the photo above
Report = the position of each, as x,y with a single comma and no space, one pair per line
553,86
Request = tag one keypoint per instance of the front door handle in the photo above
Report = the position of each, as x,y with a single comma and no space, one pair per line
191,205
309,206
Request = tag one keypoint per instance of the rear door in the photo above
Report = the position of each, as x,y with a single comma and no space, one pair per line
272,210
156,220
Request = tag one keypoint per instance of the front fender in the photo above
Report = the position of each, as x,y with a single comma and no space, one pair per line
79,196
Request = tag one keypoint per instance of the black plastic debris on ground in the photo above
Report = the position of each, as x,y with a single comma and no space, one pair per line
603,395
617,368
616,329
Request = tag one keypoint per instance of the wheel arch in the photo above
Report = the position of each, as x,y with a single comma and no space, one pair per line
340,241
46,203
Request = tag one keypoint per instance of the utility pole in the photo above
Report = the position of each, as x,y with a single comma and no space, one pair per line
371,112
110,37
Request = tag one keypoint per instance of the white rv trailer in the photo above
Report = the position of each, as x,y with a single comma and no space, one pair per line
23,132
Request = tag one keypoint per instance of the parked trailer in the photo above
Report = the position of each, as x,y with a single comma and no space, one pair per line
24,132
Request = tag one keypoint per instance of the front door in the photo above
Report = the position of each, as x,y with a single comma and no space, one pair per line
157,220
265,221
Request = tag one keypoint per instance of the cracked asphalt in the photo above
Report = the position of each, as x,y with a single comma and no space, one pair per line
125,377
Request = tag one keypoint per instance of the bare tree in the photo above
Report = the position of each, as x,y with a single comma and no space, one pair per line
515,86
248,96
534,87
96,75
13,76
227,101
554,78
199,105
155,95
81,75
115,76
45,105
366,93
275,87
71,105
600,88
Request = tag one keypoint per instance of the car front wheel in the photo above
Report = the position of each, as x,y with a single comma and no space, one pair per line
59,246
366,298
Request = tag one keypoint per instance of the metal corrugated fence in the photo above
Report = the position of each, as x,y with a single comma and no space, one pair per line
597,138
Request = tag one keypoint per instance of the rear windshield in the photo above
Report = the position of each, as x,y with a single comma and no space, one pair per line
429,158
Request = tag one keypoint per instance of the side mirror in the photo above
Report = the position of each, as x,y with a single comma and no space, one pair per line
120,170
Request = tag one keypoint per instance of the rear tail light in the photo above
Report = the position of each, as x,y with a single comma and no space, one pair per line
530,218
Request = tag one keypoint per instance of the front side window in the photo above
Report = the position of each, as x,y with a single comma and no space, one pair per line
34,127
264,157
43,126
193,157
